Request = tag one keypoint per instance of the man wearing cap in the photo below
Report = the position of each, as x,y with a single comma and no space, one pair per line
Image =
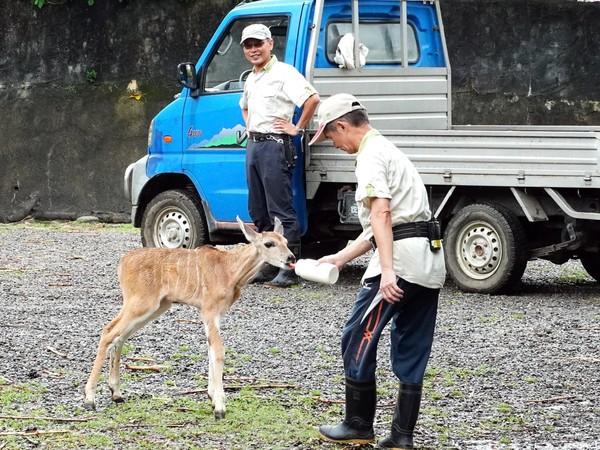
401,283
271,93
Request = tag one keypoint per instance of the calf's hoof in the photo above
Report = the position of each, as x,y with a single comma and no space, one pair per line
89,405
219,415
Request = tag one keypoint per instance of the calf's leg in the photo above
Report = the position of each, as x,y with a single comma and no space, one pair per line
110,332
114,377
216,360
113,336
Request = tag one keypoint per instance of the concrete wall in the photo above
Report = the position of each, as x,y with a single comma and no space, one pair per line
66,138
524,62
65,141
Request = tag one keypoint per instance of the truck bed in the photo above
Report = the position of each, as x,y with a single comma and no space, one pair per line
510,156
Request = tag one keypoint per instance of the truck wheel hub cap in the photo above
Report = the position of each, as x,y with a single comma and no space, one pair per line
480,250
172,233
174,230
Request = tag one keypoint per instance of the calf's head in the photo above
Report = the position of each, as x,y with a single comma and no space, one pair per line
271,245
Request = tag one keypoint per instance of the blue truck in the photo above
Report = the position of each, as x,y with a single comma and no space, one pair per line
503,194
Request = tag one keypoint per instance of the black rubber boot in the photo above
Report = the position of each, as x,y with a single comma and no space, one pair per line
285,278
357,427
405,418
267,273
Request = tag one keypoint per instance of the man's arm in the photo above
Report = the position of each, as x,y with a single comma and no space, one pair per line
358,247
308,110
381,224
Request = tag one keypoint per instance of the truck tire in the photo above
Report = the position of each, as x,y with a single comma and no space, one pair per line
174,219
591,264
485,249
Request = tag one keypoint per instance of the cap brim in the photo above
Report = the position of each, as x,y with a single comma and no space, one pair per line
257,36
319,136
250,36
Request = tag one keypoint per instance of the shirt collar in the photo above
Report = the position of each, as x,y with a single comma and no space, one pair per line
371,133
270,64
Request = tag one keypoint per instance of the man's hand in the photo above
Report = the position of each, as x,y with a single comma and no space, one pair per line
332,259
283,126
389,289
357,248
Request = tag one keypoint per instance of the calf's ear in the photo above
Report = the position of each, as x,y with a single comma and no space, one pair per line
278,226
249,233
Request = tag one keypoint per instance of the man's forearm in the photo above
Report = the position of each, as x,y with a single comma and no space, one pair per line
381,224
308,110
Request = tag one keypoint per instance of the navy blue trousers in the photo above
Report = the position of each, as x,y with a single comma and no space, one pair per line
269,177
412,328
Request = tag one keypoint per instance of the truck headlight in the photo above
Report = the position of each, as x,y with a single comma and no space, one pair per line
150,133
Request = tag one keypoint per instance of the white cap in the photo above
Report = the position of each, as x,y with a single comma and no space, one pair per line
256,31
333,108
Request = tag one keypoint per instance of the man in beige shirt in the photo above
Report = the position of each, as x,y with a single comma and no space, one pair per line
272,92
401,284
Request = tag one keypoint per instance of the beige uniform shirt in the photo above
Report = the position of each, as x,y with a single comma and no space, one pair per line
273,93
383,171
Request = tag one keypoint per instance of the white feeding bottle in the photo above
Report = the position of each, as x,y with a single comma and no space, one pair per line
310,270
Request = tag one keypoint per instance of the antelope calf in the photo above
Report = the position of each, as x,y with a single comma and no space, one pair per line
152,279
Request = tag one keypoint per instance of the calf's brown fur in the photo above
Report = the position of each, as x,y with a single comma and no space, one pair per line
152,279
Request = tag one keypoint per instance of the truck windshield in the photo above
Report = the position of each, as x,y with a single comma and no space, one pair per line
383,39
227,68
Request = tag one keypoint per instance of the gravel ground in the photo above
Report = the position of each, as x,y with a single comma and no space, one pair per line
518,371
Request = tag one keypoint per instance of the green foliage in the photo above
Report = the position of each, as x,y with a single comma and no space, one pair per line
41,3
276,419
68,227
91,76
573,276
14,397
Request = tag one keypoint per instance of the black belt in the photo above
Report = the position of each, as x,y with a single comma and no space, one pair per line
407,230
259,137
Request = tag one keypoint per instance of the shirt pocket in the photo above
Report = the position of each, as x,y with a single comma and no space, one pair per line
271,90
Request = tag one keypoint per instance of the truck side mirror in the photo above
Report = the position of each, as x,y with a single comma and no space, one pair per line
187,77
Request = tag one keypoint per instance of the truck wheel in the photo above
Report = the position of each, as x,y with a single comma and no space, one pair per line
174,219
591,264
485,249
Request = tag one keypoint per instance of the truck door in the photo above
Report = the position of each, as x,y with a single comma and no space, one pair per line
213,126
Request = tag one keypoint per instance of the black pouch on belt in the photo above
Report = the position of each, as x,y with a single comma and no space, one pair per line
434,234
289,153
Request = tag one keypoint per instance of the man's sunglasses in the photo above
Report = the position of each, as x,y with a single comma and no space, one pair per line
258,44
